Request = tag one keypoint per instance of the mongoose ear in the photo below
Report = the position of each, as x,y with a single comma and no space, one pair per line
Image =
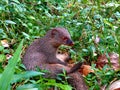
54,32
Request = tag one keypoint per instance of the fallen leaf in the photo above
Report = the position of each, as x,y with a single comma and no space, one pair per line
86,69
97,40
8,56
103,60
4,43
69,5
115,85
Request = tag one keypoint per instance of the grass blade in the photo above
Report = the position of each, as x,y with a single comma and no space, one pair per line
8,73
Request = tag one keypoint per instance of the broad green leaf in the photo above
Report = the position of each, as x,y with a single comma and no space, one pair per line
2,57
26,35
1,48
16,1
1,30
25,75
9,22
62,86
28,87
85,50
8,73
117,14
31,17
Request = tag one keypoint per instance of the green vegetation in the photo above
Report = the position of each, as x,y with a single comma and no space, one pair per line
94,26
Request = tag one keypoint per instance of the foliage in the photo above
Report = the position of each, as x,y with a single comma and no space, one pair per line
9,70
86,20
107,74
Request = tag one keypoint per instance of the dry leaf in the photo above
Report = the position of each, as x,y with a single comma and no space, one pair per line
115,85
8,56
4,43
69,5
114,59
86,69
97,40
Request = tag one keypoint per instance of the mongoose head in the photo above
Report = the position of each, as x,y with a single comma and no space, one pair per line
60,36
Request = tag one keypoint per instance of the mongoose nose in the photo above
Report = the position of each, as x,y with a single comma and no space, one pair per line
70,42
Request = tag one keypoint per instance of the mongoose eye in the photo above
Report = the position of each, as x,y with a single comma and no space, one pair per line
65,38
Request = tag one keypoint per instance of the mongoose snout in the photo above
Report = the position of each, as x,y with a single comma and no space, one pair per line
69,42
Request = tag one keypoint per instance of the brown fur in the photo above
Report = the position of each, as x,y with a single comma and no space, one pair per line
76,80
42,53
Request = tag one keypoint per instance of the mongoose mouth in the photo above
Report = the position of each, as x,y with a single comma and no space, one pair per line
71,44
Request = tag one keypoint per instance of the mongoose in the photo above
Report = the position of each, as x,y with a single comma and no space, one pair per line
42,53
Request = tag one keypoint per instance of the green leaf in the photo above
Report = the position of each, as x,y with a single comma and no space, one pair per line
62,86
1,48
108,23
26,75
8,73
31,17
16,1
26,35
9,22
2,57
28,87
85,50
1,30
108,57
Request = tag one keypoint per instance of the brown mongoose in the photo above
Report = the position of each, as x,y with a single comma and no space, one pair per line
42,53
